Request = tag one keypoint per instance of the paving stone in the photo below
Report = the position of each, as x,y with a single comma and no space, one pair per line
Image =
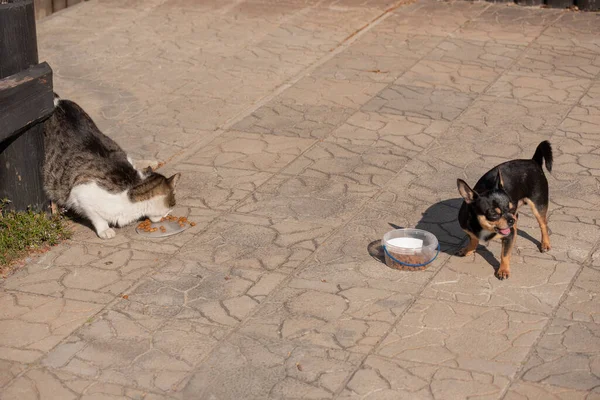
362,165
235,64
491,340
566,356
414,101
348,270
256,243
581,302
572,62
381,378
147,141
582,122
507,121
288,118
350,67
129,348
47,384
379,55
549,88
216,188
32,324
84,272
322,201
63,353
450,76
507,25
580,22
9,370
333,92
573,236
476,53
324,27
259,152
575,155
469,159
38,384
381,41
579,164
252,368
570,30
529,391
536,285
215,295
411,134
425,18
320,313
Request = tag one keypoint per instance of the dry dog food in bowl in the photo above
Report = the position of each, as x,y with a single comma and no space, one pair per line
409,249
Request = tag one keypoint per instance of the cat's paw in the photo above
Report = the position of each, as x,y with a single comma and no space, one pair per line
107,234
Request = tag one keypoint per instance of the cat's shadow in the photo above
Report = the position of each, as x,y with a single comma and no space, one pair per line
79,220
441,219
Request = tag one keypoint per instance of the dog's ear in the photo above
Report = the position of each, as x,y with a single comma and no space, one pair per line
465,191
499,180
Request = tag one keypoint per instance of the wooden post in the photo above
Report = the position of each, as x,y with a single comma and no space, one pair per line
588,5
559,3
58,5
21,134
43,8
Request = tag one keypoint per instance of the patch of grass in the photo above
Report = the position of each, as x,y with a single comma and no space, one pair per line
26,231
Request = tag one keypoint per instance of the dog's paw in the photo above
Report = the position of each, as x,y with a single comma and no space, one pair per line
503,273
465,252
107,234
545,247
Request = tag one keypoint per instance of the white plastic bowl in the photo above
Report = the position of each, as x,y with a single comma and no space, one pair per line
409,249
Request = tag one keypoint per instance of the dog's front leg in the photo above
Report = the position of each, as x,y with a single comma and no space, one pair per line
508,243
470,248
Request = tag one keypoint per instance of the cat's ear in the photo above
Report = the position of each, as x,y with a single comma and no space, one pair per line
148,170
172,181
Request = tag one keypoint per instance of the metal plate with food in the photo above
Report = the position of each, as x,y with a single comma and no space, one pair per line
167,226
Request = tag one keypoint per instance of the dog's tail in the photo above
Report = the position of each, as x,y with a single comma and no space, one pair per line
544,153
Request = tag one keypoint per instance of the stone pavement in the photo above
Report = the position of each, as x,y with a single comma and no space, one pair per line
302,129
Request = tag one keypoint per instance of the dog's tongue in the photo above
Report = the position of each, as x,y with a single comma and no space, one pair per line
504,231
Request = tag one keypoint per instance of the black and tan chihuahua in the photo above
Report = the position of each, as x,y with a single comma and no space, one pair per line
490,209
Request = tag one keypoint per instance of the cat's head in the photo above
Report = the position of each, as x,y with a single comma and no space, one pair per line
158,192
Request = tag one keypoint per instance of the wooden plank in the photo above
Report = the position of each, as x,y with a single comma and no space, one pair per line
43,8
58,5
18,41
25,98
560,3
72,2
21,181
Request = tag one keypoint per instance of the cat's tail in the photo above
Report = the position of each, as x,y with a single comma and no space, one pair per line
56,99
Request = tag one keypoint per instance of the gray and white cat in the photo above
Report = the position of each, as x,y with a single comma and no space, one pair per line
87,172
